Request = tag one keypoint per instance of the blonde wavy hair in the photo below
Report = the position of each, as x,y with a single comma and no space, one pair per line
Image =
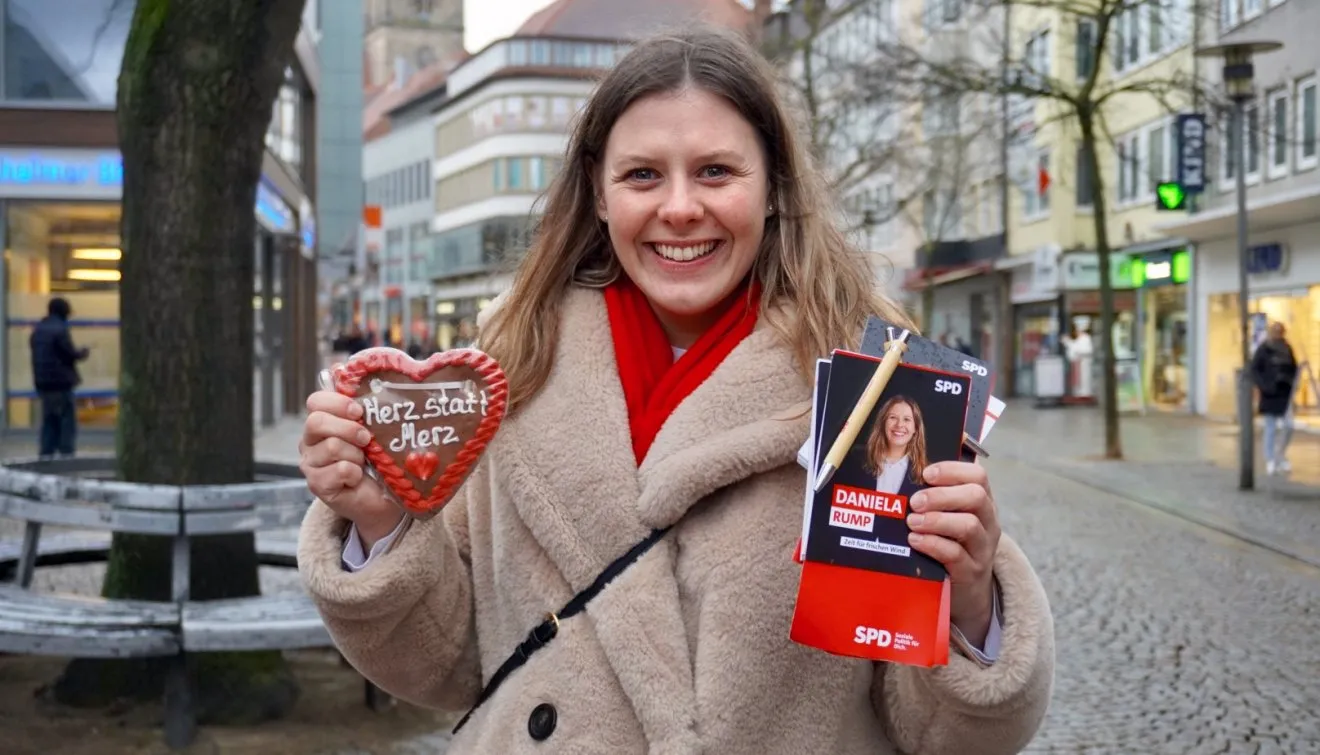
816,290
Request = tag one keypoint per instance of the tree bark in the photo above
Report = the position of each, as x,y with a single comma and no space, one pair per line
196,88
1109,378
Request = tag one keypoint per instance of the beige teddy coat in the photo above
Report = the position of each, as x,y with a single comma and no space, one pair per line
688,650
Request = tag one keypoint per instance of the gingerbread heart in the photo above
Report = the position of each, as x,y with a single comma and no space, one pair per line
430,421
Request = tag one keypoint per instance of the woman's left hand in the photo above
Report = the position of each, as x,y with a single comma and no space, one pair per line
954,522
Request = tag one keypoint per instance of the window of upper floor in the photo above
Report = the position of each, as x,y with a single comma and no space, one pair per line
937,13
872,212
1281,135
284,133
64,50
508,114
1144,159
1147,32
1234,13
401,186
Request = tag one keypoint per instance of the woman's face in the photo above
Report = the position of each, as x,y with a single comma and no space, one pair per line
900,426
683,189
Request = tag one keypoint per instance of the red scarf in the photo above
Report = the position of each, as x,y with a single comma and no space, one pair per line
653,383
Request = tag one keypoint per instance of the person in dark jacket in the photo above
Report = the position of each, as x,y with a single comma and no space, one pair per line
1274,371
55,375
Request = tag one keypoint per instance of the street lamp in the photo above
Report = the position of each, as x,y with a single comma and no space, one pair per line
1238,73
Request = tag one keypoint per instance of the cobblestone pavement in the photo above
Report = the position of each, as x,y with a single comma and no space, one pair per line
1186,466
1171,638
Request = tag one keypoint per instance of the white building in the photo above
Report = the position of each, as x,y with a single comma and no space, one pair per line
1283,209
397,175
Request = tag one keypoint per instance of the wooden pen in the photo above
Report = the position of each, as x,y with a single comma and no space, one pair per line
894,349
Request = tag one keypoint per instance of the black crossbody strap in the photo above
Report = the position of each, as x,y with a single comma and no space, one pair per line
543,633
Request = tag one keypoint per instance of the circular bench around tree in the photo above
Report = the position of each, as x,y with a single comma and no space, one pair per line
81,493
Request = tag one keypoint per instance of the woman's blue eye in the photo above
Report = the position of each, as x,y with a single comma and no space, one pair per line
642,174
714,171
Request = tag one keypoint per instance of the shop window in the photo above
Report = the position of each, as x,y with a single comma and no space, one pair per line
67,50
70,250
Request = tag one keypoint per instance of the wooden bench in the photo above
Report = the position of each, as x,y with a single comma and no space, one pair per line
79,493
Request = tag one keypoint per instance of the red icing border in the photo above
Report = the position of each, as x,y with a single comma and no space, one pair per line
348,378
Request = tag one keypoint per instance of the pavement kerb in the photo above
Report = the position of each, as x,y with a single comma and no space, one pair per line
1310,557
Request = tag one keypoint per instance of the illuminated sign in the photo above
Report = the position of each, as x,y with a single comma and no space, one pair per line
36,169
1160,269
89,174
273,212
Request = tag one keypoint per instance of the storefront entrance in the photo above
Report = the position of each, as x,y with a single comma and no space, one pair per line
1164,347
1299,311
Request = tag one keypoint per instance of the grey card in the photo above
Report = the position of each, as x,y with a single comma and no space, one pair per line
923,352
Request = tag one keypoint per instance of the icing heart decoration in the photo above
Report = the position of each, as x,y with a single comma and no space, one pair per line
430,421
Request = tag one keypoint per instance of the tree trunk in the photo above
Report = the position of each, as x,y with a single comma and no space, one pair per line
198,81
1109,378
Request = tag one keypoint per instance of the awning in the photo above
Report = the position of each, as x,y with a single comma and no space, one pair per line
918,279
1263,214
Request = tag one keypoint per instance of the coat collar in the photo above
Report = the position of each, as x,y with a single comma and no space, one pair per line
565,458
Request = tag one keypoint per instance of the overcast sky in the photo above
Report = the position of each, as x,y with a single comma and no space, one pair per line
489,20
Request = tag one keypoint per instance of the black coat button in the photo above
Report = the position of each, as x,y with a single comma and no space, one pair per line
541,724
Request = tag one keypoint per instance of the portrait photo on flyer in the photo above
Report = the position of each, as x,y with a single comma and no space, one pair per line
859,518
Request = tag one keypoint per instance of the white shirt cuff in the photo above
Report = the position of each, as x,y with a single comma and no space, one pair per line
988,654
355,560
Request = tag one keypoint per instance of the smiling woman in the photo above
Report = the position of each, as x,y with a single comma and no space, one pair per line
684,192
657,339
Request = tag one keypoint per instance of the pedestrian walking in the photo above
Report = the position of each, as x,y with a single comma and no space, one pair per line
658,341
1274,370
55,375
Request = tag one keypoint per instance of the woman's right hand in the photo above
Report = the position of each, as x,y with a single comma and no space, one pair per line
333,462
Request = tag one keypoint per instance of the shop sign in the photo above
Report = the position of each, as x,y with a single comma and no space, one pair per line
274,212
89,174
1160,269
1267,259
1189,171
1080,271
60,172
1038,280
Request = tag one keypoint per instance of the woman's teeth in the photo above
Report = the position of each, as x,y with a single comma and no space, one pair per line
685,253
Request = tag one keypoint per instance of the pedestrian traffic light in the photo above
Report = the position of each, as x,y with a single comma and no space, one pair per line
1171,196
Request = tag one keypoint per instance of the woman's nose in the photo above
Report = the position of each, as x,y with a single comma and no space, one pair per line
681,206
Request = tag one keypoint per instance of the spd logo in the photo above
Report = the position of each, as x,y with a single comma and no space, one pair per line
872,636
949,387
974,368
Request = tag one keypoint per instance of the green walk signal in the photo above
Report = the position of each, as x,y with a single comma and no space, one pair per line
1171,196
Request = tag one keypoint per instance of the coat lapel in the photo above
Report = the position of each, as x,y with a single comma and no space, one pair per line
565,460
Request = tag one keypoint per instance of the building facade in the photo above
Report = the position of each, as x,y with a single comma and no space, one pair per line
1283,207
397,170
957,198
403,37
1053,265
61,181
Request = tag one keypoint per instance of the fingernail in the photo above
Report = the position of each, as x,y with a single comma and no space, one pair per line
363,437
355,410
918,502
931,473
914,538
916,520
